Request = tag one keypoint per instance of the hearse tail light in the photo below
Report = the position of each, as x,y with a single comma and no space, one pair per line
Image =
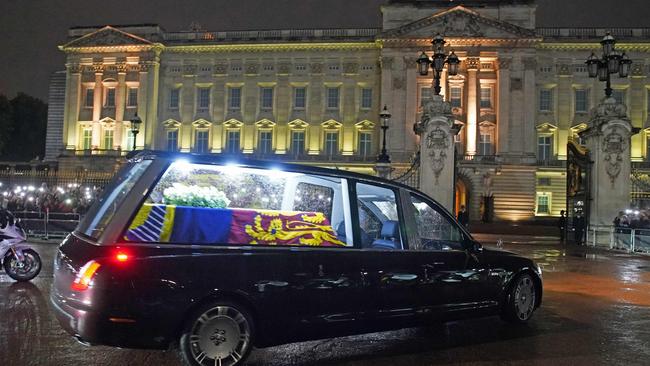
85,276
122,257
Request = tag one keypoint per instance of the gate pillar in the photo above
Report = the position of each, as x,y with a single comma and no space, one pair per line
608,138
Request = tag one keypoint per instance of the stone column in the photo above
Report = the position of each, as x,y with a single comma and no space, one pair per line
608,139
503,106
72,101
97,105
120,102
437,130
472,104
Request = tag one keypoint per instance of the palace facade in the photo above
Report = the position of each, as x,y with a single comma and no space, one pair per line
314,95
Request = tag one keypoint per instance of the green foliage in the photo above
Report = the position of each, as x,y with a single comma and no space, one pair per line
195,196
6,122
23,125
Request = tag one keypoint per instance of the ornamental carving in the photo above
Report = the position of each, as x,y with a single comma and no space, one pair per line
284,68
609,108
108,36
437,143
189,69
473,63
316,68
220,68
350,68
504,63
387,62
122,67
74,68
614,145
564,69
252,68
638,69
398,83
459,24
97,67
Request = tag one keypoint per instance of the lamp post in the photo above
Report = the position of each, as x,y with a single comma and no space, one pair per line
135,127
611,62
385,118
437,62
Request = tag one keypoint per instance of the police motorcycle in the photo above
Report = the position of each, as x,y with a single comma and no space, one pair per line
20,261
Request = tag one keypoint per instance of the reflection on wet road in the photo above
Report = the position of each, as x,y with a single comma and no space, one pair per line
596,311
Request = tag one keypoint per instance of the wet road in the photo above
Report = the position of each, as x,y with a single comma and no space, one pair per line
596,311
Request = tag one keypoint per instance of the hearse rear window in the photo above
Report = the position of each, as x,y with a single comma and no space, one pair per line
233,205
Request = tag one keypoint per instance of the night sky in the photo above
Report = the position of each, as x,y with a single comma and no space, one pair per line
30,30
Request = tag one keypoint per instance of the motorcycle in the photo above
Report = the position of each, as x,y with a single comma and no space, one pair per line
20,262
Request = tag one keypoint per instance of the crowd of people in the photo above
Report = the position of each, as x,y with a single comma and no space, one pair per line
633,219
69,198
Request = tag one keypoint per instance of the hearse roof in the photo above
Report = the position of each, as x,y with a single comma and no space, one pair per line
239,160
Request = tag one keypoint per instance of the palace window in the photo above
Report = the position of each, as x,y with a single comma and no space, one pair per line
582,100
132,98
544,148
331,143
619,95
110,97
332,98
203,98
299,98
201,141
266,98
87,141
232,142
545,100
486,97
90,98
365,144
265,142
647,148
297,143
485,144
366,98
234,98
172,140
455,96
174,98
543,203
108,139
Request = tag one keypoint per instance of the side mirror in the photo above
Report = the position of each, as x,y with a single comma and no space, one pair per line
473,246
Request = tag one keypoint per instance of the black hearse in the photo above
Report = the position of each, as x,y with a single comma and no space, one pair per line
221,256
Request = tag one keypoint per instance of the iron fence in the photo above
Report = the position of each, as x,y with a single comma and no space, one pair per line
48,225
631,240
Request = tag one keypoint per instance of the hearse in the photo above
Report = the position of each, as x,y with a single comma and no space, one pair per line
215,256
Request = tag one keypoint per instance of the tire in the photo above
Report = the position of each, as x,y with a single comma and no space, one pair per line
219,333
25,271
520,300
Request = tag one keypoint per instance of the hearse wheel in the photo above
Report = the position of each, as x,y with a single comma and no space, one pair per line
219,333
520,300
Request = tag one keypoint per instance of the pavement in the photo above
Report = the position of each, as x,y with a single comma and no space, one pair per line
595,311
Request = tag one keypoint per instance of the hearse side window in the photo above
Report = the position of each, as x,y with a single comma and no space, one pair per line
103,210
435,230
204,204
378,218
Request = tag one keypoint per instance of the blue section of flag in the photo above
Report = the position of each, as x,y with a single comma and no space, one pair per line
198,225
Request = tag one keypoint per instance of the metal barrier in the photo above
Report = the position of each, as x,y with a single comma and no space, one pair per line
44,225
632,240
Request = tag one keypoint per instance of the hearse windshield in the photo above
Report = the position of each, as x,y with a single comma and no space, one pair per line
100,215
201,204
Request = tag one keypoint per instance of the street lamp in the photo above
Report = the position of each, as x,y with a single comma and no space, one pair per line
437,62
611,62
385,117
135,127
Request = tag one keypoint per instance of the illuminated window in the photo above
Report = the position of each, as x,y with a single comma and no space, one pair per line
544,148
232,142
297,143
332,98
87,141
582,102
201,141
486,97
485,144
90,98
647,148
545,100
299,97
203,98
365,144
455,96
172,140
366,98
543,203
174,98
265,142
110,97
132,98
331,143
234,98
266,98
619,95
108,139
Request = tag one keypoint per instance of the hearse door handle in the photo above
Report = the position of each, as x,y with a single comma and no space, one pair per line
364,278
